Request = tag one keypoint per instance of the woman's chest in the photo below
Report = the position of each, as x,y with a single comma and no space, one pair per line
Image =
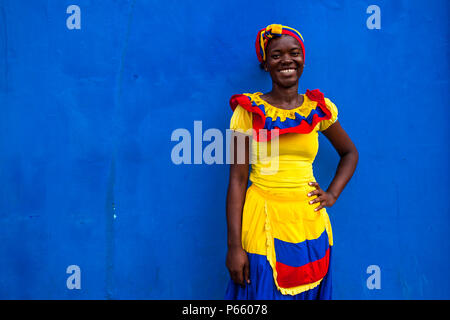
294,146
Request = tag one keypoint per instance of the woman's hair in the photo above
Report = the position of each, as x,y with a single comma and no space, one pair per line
262,65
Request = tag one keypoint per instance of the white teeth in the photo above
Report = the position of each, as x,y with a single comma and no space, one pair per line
287,70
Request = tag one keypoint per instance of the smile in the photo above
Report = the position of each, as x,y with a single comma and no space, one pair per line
288,71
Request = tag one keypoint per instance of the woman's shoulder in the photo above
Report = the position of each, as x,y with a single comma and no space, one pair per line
325,103
326,106
245,100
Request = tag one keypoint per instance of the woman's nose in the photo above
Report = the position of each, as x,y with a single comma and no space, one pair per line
286,60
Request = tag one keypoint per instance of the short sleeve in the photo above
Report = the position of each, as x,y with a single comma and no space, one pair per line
325,124
241,120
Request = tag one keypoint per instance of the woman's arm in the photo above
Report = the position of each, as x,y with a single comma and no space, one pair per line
237,260
346,167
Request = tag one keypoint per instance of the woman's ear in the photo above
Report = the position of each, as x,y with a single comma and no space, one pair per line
263,66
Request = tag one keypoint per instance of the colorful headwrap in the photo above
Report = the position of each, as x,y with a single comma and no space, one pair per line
271,31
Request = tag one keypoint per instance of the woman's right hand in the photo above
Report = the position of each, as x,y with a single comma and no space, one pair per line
238,265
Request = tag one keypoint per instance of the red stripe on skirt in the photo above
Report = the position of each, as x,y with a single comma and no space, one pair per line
288,277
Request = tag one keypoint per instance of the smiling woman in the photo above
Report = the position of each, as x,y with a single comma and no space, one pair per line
279,232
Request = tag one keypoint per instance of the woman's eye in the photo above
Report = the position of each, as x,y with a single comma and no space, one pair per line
295,54
275,56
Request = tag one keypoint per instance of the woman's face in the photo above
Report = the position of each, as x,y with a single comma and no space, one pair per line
284,60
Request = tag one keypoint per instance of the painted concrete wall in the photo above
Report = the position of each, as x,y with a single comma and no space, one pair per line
85,143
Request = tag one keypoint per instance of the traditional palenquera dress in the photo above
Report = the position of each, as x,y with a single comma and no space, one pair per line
287,242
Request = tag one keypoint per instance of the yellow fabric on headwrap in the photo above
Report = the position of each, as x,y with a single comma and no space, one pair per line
275,28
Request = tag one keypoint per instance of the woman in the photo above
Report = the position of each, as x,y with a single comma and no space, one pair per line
279,233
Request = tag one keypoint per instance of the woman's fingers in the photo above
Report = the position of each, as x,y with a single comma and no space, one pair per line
315,192
319,193
315,184
238,266
321,200
238,277
322,205
241,276
247,273
318,199
318,190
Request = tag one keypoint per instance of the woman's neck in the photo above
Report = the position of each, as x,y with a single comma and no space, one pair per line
287,98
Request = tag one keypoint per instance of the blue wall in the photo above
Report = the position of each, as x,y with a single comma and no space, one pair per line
85,142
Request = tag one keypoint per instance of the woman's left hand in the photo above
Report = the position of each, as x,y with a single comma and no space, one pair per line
326,199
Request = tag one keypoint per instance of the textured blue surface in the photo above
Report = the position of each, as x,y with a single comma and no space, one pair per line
87,116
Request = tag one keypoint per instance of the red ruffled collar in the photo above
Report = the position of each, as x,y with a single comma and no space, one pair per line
264,126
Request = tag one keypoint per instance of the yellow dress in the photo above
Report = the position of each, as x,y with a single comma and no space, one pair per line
279,226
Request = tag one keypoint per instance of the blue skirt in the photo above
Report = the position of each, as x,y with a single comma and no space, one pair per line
262,285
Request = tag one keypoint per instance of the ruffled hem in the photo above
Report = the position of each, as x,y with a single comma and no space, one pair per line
278,121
